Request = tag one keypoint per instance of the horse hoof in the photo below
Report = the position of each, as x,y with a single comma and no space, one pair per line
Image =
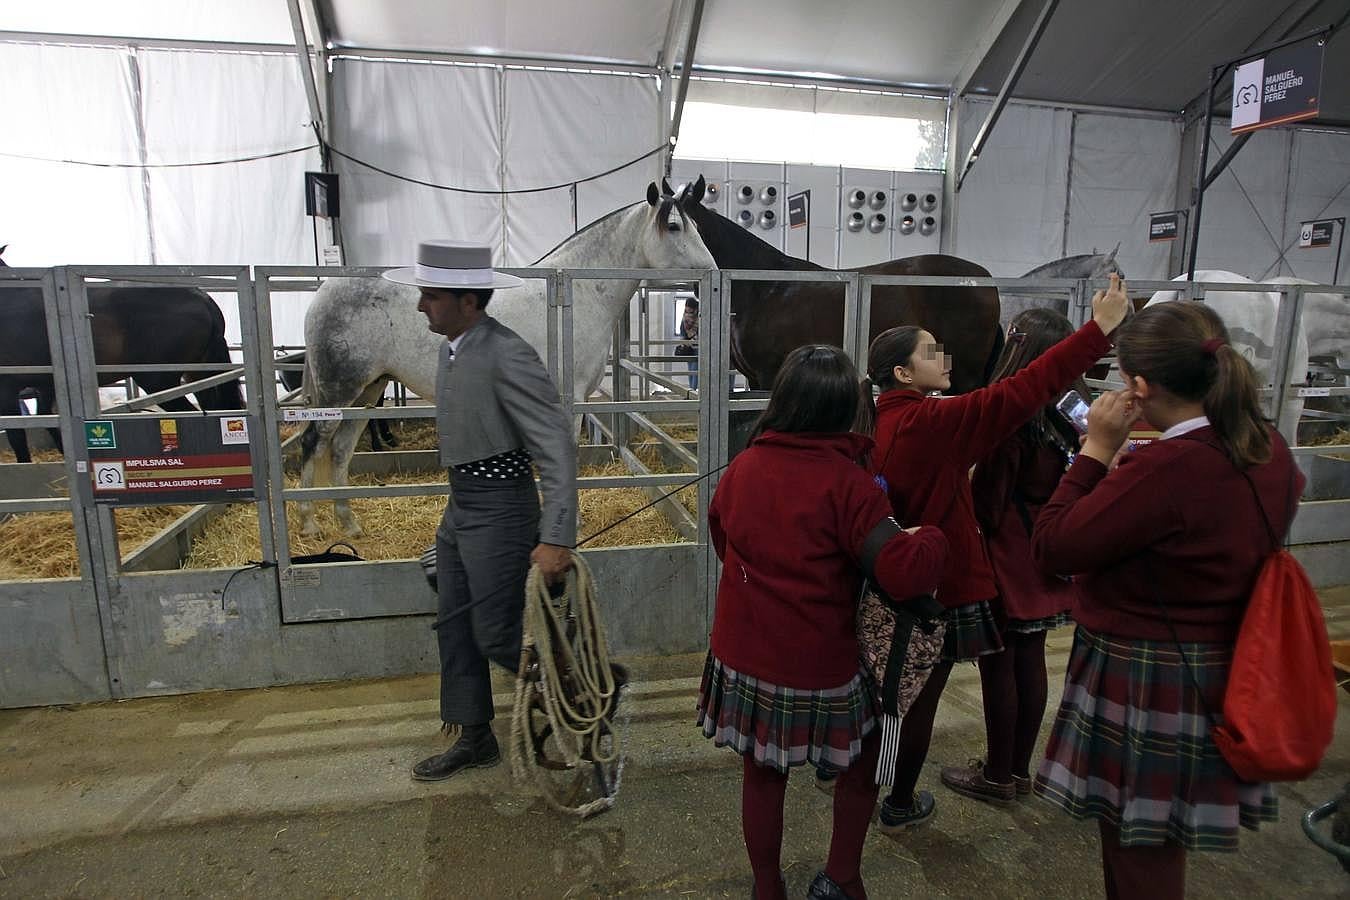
310,530
354,530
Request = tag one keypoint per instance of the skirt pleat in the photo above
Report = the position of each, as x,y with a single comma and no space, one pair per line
1131,745
783,727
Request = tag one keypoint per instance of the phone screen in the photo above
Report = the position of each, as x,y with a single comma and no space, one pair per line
1075,409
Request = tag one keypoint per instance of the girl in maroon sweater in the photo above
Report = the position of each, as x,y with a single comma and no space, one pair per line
782,685
925,447
1179,530
1009,488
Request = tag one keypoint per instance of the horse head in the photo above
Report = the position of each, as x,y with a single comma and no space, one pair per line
1105,264
672,241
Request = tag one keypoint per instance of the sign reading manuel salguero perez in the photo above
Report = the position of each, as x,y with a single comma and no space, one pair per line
1280,87
195,459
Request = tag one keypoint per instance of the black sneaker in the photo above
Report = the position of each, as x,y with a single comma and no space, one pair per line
896,819
826,778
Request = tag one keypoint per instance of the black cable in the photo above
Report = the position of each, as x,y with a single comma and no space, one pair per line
461,190
252,564
187,165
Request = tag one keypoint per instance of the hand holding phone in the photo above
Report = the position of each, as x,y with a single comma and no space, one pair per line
1074,408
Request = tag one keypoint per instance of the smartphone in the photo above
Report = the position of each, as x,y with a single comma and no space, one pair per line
1074,409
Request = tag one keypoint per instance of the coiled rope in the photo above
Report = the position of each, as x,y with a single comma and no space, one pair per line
573,686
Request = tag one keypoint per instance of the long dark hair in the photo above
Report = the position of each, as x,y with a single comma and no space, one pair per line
893,347
1183,347
816,390
1030,334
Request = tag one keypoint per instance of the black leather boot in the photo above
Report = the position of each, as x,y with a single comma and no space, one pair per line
473,750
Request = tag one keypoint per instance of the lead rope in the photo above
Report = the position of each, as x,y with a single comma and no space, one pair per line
579,721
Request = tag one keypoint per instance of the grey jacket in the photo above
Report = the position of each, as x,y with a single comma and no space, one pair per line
496,396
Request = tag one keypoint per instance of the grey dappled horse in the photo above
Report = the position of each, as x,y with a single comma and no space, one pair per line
362,332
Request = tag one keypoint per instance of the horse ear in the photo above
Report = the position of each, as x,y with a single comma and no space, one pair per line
653,195
694,193
666,189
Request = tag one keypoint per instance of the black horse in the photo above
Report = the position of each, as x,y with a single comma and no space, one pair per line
772,318
131,326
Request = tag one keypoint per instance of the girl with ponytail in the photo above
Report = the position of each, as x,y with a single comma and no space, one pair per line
1164,551
925,447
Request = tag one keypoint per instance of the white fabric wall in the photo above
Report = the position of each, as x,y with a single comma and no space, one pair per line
488,129
62,103
1107,172
1123,169
81,103
1291,176
1010,213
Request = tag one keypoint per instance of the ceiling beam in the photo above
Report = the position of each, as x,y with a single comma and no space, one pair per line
980,51
686,67
1019,66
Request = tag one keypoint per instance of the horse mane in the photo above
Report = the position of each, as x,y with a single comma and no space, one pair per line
606,217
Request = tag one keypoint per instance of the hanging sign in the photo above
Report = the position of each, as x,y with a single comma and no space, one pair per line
1282,86
1164,226
799,209
154,462
1316,234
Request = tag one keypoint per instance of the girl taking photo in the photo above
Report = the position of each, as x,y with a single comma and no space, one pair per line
925,447
1164,550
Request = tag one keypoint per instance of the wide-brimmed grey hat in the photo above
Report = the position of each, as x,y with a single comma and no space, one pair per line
453,265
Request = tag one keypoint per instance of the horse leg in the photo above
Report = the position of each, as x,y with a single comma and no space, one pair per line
343,445
316,455
46,404
18,437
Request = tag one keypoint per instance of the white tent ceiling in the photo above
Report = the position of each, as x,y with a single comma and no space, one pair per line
1150,54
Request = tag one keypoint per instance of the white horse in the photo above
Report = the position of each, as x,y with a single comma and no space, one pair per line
1084,265
1326,322
1250,317
362,332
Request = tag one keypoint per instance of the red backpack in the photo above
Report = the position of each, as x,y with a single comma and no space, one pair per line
1279,707
1280,704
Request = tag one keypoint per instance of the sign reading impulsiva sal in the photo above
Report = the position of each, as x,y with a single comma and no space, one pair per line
1282,86
153,462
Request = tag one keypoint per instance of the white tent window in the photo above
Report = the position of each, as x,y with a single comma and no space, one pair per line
766,122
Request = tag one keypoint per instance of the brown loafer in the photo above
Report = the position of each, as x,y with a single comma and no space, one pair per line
969,781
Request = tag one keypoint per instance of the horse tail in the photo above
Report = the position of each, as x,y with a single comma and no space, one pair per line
994,354
309,442
229,395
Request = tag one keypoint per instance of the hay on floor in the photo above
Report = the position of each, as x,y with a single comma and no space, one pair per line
42,545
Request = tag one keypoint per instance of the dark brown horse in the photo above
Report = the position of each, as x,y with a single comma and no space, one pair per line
772,318
131,326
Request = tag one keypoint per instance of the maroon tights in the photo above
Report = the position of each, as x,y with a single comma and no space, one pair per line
1014,686
1141,873
855,796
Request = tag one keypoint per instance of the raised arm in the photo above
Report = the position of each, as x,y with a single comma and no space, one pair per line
991,414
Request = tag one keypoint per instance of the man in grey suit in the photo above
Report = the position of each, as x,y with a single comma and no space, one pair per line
497,413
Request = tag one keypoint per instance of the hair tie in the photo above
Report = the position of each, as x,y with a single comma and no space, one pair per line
1211,346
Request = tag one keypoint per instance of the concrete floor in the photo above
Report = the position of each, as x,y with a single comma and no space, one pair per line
304,792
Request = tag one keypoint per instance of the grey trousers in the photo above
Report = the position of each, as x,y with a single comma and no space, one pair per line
483,550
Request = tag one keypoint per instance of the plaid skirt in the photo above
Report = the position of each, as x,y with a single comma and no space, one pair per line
784,727
1032,626
972,631
1131,745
